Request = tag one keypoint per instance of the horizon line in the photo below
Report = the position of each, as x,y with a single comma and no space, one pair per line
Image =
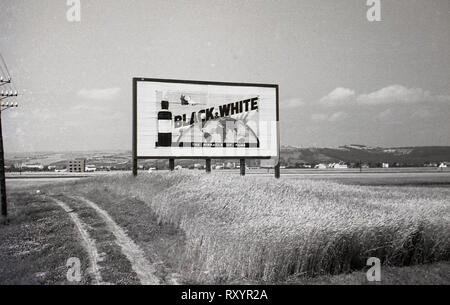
288,145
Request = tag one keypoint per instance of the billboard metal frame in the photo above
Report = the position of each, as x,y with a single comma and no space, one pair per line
196,82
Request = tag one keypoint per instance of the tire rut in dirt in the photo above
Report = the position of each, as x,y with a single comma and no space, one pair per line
114,266
162,243
87,241
145,270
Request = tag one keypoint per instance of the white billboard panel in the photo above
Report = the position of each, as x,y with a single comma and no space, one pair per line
192,119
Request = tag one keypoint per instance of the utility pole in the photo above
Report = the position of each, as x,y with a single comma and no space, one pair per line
4,94
2,174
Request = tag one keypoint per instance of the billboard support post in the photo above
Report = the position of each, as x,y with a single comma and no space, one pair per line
277,171
277,166
135,167
208,166
171,165
134,128
242,167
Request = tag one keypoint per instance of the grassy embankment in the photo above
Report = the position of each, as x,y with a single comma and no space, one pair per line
37,242
255,228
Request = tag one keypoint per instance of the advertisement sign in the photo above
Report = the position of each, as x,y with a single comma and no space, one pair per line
193,119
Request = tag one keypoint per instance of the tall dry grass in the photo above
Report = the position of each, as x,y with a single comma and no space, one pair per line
263,229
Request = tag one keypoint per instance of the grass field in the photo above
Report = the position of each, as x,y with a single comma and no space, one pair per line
36,244
223,228
260,229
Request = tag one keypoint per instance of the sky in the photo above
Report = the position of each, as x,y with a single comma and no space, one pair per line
343,79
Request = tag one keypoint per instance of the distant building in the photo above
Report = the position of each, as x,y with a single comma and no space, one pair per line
443,165
33,166
338,165
90,168
385,165
230,165
76,166
320,166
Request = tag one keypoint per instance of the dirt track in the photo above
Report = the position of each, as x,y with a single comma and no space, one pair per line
88,242
143,268
140,266
107,251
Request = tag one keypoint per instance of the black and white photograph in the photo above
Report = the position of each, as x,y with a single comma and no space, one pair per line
225,148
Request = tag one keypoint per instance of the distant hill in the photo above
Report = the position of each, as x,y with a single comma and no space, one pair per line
404,156
290,156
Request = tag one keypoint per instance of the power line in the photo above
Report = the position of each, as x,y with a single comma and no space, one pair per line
2,73
6,66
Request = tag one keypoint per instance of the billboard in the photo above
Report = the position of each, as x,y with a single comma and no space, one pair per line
196,119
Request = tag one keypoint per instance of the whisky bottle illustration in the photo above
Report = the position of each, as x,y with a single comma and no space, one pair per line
164,126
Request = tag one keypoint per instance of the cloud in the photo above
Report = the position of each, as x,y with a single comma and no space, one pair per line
384,115
422,114
337,95
292,103
335,117
338,116
99,94
319,117
398,94
390,117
